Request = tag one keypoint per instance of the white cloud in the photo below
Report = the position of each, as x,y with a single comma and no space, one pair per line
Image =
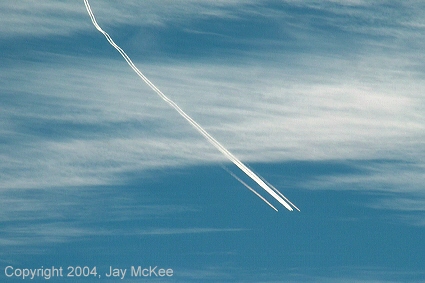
28,18
59,232
363,103
404,204
39,18
341,110
50,17
174,231
33,218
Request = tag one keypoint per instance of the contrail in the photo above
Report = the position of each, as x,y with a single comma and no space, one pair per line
249,188
277,191
278,196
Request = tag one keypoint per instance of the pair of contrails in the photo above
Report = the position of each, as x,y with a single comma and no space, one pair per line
262,183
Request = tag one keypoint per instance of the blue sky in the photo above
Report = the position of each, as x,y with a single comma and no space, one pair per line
324,99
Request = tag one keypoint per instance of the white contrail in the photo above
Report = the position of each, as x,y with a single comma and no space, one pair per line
249,188
277,191
215,143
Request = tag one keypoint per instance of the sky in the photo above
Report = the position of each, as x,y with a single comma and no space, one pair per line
323,99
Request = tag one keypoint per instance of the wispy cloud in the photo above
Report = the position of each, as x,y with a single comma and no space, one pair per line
351,274
37,234
334,85
329,82
174,231
29,19
54,130
345,81
401,204
383,18
31,219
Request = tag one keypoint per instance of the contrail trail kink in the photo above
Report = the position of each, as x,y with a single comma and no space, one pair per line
270,189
